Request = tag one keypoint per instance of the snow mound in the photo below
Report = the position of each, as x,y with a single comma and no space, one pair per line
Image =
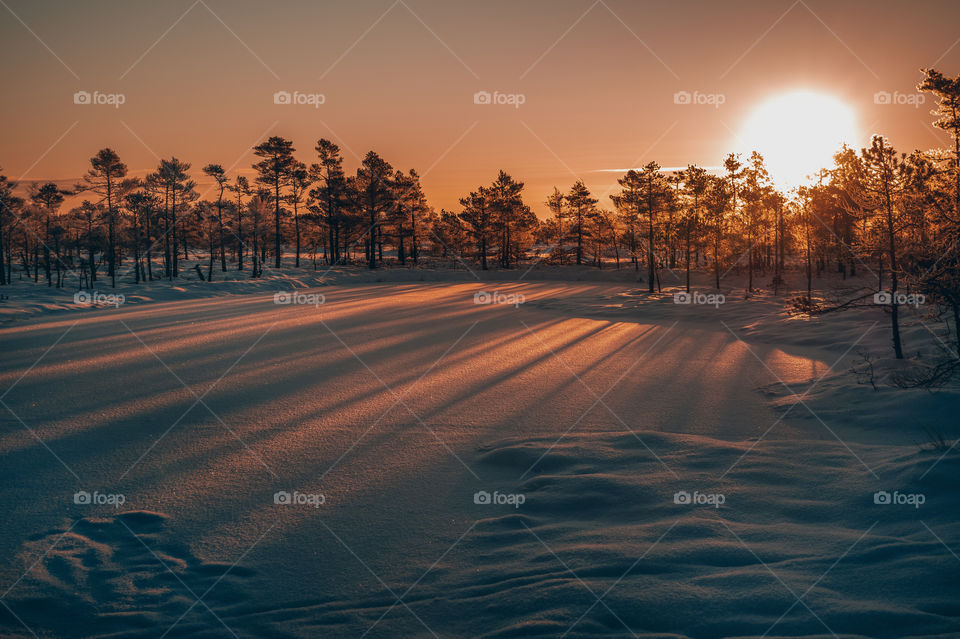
611,541
715,539
121,576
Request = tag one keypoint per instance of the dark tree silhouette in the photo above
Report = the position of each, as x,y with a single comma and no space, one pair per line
48,198
582,207
299,181
374,195
241,187
476,215
104,178
219,176
273,171
330,195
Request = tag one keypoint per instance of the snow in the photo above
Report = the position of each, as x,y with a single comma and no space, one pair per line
399,400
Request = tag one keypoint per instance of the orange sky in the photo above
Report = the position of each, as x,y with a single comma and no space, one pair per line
597,81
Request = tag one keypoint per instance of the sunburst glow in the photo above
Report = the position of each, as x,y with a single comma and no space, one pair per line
798,133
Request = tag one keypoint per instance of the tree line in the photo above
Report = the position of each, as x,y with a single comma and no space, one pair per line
895,216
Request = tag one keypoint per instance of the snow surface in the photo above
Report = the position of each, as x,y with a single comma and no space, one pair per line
399,400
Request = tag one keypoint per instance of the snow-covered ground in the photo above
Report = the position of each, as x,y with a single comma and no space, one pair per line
653,469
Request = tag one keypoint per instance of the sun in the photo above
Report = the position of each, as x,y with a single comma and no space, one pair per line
798,133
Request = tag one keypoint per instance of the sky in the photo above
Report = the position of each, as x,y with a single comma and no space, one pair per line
577,88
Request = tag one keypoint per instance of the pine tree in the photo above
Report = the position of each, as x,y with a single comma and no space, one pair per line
476,215
374,196
216,172
273,171
299,181
582,209
947,91
104,178
48,198
330,194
